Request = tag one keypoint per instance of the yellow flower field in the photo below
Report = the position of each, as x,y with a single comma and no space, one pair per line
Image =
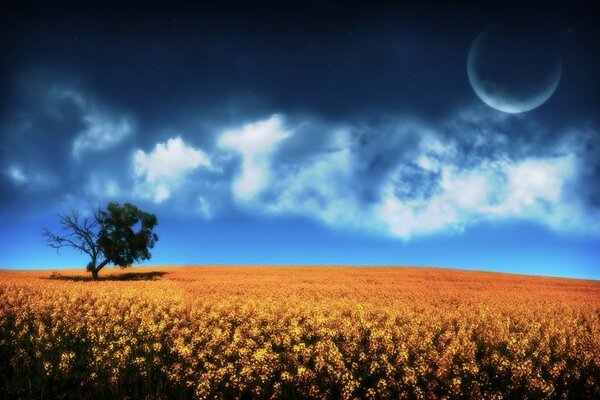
302,333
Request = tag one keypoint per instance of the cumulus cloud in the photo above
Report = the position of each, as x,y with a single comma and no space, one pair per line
164,169
427,180
255,143
532,189
399,176
325,186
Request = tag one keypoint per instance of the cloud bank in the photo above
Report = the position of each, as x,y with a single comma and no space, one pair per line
438,182
400,176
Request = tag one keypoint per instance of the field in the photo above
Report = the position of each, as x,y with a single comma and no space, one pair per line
275,332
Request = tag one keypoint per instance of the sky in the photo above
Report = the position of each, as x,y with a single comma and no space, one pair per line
320,132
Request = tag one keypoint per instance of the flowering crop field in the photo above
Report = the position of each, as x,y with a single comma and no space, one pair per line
302,333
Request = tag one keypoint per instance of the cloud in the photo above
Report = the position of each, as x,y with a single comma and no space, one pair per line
255,143
101,129
426,180
58,139
28,178
319,183
398,176
100,187
204,208
532,189
316,188
102,132
164,169
16,174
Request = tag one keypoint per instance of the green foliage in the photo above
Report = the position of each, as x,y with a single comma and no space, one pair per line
119,235
118,240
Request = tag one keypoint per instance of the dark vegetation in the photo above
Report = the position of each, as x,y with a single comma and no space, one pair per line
127,276
119,235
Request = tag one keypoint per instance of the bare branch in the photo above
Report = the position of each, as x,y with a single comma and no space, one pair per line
80,233
82,230
57,242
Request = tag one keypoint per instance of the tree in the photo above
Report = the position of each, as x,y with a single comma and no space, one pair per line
121,235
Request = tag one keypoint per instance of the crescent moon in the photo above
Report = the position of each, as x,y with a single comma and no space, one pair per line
497,96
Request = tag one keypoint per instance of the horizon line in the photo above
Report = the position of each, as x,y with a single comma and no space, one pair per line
451,268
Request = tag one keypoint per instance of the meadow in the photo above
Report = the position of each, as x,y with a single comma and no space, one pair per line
298,333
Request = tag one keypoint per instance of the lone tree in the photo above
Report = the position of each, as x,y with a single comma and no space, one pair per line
121,235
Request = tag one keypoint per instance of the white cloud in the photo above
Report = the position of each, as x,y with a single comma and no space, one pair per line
164,169
407,218
169,160
538,178
530,189
255,143
439,186
102,132
161,192
322,187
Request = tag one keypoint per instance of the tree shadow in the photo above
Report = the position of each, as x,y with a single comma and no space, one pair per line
127,276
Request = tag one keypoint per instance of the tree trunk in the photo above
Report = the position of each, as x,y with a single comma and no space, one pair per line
96,268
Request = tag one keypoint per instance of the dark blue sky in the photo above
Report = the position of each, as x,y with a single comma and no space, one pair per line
306,133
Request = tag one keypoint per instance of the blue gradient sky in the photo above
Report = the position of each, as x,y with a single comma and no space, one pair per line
306,133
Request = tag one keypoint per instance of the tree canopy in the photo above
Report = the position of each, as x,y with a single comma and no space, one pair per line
118,235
